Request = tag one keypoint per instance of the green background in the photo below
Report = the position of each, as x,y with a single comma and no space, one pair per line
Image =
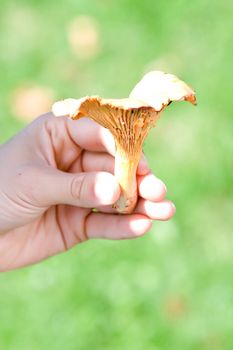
173,288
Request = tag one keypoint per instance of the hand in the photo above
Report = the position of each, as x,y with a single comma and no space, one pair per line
52,175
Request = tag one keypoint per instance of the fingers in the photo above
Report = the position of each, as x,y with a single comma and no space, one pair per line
152,202
161,211
156,210
91,136
88,190
97,161
151,188
109,226
93,161
85,190
84,132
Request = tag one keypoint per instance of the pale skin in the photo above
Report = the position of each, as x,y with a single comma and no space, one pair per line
53,173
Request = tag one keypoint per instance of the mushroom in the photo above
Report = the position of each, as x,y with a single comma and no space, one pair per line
129,120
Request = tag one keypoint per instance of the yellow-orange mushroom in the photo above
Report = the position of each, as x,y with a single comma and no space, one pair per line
129,120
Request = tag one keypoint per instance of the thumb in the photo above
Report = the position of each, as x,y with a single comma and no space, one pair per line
87,190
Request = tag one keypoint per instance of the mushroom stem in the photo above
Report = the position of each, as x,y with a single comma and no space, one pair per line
125,172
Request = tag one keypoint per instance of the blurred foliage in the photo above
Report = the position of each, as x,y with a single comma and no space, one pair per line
172,289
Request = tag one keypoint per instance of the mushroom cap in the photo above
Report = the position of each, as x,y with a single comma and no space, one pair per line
155,91
158,89
76,108
130,119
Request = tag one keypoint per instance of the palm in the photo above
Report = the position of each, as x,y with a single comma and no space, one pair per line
48,235
49,230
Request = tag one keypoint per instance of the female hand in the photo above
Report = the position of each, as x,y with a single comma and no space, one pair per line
53,173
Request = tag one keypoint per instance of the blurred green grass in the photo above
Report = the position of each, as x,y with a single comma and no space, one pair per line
172,289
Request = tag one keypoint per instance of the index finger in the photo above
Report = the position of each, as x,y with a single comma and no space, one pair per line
85,132
91,136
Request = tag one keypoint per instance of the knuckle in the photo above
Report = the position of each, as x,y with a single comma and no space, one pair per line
77,185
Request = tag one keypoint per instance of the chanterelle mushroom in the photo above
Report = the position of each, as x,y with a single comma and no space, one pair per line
129,120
